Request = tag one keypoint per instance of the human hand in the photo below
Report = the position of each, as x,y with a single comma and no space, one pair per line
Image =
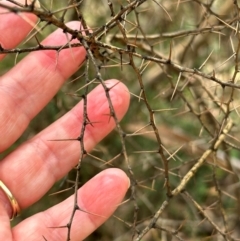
31,170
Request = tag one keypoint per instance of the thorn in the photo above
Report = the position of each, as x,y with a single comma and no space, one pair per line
76,139
113,86
94,214
65,190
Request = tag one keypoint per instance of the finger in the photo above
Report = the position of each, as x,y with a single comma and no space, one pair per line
35,166
5,229
14,27
100,195
32,83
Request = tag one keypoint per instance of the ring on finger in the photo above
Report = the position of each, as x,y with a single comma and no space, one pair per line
12,200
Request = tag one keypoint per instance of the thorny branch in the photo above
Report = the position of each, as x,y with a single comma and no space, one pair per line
161,45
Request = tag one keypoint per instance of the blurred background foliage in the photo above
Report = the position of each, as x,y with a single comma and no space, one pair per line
198,35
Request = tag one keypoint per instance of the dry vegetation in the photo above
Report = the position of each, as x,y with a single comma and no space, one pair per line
179,142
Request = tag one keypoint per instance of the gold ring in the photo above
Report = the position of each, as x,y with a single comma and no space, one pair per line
11,198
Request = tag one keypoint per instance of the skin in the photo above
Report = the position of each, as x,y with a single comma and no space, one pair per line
31,170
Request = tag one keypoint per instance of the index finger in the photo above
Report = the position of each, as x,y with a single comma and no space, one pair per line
32,83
